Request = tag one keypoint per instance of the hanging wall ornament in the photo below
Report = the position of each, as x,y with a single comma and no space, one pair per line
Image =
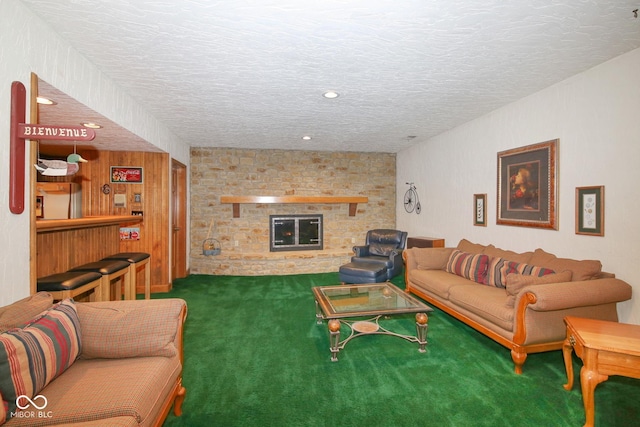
60,167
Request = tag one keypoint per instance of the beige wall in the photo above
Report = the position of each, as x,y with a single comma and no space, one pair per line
244,241
595,116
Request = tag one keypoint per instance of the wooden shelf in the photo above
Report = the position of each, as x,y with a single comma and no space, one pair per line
43,225
236,201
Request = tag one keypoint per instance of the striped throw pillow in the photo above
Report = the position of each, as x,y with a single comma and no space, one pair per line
31,357
469,266
500,267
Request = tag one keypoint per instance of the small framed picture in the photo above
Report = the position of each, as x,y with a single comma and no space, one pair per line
480,210
590,210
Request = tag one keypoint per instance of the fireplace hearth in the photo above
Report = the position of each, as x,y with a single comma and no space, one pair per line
295,232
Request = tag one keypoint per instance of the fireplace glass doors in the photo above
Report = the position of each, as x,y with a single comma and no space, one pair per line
295,232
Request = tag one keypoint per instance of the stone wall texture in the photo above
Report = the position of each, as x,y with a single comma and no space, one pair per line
244,241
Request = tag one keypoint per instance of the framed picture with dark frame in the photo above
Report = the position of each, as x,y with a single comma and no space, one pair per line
527,193
126,175
590,210
480,210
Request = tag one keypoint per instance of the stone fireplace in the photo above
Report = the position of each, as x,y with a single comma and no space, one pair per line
295,232
244,239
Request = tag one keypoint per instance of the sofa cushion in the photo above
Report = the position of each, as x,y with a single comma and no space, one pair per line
134,330
432,258
438,282
467,265
580,269
494,252
486,302
516,282
499,268
20,312
473,248
100,389
30,358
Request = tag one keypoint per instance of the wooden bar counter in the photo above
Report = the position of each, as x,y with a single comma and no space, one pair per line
62,244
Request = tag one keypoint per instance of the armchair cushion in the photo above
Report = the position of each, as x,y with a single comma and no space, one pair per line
381,249
387,262
383,241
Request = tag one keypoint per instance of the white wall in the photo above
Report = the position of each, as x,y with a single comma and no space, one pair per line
596,116
28,45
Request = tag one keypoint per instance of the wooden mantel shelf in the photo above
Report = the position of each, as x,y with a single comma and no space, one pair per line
238,200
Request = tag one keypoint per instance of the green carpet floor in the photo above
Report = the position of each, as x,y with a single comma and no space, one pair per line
254,356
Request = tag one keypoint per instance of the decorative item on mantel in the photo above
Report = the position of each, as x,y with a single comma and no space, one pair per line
210,246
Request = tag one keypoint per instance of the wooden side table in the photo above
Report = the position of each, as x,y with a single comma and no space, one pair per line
425,242
606,348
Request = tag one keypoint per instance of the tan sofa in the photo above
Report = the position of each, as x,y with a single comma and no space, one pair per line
118,363
517,299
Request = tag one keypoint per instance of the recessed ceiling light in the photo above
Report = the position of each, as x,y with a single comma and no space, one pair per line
44,101
306,137
331,94
91,125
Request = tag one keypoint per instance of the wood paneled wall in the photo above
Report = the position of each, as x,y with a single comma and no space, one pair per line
155,201
81,246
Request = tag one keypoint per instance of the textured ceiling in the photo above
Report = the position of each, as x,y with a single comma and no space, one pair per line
68,111
251,73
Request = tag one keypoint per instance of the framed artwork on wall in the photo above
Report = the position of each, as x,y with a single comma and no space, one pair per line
480,210
126,175
527,193
590,210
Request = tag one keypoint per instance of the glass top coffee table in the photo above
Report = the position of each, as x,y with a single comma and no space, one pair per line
341,304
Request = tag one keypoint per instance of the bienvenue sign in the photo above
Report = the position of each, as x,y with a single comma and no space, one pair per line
61,133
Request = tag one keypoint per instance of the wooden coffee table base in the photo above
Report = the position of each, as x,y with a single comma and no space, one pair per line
606,348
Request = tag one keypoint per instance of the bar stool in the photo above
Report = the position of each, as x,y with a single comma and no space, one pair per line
110,270
72,284
136,260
